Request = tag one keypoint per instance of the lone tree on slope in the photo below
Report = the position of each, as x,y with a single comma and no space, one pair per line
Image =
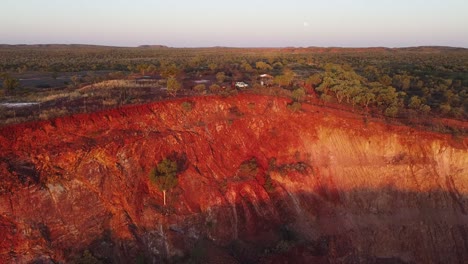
164,175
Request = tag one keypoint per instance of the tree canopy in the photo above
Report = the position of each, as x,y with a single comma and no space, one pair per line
164,175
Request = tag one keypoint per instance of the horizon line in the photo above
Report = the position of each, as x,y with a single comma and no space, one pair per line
234,47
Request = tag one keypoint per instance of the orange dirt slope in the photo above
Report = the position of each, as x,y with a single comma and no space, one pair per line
257,183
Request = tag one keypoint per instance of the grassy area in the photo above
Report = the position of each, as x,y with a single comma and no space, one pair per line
408,84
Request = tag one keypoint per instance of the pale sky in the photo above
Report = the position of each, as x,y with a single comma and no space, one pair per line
236,23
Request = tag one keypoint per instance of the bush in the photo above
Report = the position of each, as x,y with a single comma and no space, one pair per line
229,92
187,106
391,111
199,88
298,95
53,113
296,106
248,168
214,88
269,187
445,108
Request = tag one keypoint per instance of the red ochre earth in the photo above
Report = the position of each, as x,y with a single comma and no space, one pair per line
257,183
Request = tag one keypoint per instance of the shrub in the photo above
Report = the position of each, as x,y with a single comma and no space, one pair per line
269,187
214,88
173,86
425,108
9,83
298,95
391,111
445,108
220,77
187,106
248,168
325,97
296,106
200,88
52,113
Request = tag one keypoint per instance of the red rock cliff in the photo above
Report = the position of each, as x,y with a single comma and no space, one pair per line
259,183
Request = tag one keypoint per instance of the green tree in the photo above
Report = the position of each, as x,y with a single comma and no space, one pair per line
9,83
401,81
213,66
342,82
445,108
164,175
298,95
285,79
200,88
385,80
246,67
387,96
314,80
424,108
220,77
365,98
75,79
169,70
414,102
371,73
142,68
173,86
214,88
278,65
391,111
262,66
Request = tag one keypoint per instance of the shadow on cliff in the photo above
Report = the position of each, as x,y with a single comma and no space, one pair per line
360,226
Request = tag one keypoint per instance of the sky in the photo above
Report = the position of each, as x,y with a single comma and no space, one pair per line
236,23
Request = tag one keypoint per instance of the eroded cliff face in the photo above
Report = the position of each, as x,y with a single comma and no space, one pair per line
259,183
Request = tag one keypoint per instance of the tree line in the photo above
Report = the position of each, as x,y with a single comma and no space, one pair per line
397,82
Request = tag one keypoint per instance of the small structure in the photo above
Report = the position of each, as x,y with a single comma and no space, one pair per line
241,85
266,79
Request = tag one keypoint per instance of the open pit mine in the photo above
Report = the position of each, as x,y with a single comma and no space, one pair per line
255,182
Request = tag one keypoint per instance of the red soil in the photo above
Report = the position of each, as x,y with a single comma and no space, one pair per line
341,188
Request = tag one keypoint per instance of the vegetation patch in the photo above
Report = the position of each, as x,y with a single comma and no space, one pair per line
295,106
164,174
284,169
409,86
269,185
235,111
248,169
187,106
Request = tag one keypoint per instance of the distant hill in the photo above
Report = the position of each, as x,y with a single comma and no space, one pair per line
153,46
56,46
432,49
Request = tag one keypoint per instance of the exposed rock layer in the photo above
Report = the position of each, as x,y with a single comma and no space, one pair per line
259,183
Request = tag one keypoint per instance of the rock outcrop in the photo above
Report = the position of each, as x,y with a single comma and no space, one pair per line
257,183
